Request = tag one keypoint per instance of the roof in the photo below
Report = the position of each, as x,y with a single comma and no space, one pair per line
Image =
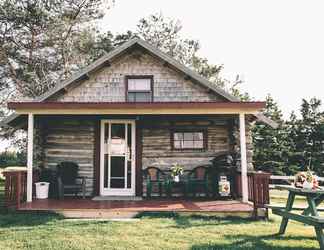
134,105
136,108
106,59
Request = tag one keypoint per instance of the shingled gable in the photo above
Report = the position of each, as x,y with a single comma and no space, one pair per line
123,49
137,42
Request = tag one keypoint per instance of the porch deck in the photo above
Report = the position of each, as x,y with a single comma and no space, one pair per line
71,207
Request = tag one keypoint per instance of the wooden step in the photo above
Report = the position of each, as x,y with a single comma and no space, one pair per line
117,198
96,213
113,214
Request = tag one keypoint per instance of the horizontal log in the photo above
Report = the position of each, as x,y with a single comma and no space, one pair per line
69,150
69,136
79,146
82,165
77,159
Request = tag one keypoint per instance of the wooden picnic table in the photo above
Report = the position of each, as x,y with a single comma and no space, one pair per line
309,216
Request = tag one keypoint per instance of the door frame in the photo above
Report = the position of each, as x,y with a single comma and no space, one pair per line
116,192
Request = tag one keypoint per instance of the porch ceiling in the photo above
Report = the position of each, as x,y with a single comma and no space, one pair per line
136,108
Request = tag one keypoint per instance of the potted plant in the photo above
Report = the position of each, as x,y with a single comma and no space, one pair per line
176,171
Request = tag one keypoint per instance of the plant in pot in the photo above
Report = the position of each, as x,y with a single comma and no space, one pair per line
176,172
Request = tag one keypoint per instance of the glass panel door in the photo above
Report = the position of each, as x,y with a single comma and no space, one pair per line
118,157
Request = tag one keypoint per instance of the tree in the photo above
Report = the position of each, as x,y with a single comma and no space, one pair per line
307,136
271,148
43,42
165,34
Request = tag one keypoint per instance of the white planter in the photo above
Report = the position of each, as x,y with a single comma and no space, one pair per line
42,190
176,178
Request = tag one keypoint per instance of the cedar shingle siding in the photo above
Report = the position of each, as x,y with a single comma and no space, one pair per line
108,84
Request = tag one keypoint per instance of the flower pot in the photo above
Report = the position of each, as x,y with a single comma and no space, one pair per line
176,178
307,185
42,190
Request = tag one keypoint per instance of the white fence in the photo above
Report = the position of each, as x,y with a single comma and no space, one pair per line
290,178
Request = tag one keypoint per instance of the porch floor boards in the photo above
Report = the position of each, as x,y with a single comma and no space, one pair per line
152,205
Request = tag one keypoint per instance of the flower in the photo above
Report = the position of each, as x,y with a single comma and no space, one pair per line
176,169
302,178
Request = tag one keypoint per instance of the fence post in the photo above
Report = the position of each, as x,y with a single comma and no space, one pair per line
18,188
260,191
14,187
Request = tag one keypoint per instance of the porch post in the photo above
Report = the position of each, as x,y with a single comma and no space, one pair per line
243,159
30,141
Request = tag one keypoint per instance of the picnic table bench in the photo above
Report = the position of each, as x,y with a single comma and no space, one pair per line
309,216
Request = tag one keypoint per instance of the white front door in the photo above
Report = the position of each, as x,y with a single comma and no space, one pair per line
117,157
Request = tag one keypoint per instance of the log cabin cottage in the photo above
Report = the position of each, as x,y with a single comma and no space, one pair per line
134,108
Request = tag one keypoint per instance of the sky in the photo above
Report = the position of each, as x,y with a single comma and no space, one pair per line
276,46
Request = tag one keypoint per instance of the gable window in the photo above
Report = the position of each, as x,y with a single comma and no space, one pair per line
139,88
189,140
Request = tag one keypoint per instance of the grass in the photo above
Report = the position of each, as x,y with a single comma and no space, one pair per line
280,197
151,231
22,231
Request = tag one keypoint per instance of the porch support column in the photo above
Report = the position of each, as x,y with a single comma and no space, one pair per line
243,159
30,142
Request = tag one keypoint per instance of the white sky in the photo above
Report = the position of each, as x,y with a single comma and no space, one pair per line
276,45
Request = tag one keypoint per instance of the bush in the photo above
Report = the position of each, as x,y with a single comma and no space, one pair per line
8,159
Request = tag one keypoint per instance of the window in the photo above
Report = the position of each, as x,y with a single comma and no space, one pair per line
188,140
139,88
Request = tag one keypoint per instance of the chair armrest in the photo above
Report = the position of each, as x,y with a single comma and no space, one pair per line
83,184
82,178
59,181
60,186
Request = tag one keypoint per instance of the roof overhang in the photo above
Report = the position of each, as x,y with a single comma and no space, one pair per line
155,108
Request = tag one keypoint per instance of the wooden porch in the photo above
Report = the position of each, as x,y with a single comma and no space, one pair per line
258,191
88,208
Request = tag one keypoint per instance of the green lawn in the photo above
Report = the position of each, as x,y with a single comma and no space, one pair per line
18,231
159,231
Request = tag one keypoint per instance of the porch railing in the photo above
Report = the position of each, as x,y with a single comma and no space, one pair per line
16,187
258,190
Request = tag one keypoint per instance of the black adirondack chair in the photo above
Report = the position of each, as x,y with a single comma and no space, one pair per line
68,180
198,178
154,177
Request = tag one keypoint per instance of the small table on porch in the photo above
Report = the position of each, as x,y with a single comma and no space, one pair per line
171,183
309,216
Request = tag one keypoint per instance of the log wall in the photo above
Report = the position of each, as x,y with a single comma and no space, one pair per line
71,140
157,150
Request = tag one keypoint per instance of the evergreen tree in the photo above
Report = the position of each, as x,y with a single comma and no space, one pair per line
271,147
306,135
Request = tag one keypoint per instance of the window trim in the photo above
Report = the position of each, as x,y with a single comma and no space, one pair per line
127,77
198,130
